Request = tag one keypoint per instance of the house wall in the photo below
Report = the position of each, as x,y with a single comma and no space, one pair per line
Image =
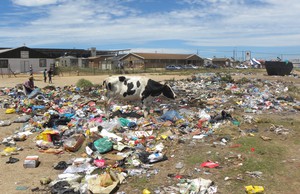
162,63
68,61
20,59
83,62
137,62
207,61
222,63
133,62
23,65
105,65
195,60
95,63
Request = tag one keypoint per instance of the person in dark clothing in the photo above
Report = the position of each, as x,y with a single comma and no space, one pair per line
29,85
31,70
45,75
50,75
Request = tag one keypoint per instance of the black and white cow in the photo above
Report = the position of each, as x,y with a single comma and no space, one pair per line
136,88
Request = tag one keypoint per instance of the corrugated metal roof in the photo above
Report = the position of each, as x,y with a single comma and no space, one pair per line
162,55
94,58
221,59
68,57
5,50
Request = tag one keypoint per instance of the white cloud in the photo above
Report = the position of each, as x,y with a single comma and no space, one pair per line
34,3
206,23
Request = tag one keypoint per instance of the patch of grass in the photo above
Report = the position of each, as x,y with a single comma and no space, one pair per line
243,80
232,131
195,159
265,157
263,120
227,78
293,88
138,182
294,91
296,141
288,121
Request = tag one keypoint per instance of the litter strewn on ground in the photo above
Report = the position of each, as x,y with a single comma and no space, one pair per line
70,119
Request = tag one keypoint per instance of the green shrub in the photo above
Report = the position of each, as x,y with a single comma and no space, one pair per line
83,83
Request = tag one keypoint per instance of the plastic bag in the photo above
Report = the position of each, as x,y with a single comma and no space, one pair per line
254,189
22,119
123,122
10,111
34,93
204,115
5,123
171,115
105,180
209,164
110,125
103,145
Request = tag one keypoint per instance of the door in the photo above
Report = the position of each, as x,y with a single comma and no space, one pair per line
24,66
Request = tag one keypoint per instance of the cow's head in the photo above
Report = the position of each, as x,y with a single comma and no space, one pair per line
107,85
168,92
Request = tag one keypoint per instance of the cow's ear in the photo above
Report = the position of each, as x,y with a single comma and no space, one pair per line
122,78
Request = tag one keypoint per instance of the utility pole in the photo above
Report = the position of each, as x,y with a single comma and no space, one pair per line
233,54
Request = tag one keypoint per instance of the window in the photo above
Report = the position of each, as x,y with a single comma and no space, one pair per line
3,63
24,54
43,63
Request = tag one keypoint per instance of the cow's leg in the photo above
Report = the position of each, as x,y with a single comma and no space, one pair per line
147,105
107,102
107,106
145,111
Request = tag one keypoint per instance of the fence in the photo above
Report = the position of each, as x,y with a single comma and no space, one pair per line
70,71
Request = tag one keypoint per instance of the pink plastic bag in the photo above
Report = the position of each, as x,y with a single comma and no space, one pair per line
209,164
99,163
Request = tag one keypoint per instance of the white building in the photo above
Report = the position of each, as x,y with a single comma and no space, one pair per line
19,60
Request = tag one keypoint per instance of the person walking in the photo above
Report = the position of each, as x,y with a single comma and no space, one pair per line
50,75
45,75
30,70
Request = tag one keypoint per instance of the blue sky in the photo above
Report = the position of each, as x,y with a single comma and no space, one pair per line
220,28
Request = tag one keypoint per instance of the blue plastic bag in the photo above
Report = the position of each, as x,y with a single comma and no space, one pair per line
171,115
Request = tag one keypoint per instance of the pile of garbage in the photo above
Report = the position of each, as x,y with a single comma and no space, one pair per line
70,119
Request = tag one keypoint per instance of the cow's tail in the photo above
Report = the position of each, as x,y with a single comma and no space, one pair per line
106,98
105,93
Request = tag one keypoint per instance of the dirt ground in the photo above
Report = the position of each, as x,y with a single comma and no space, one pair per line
15,179
61,81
